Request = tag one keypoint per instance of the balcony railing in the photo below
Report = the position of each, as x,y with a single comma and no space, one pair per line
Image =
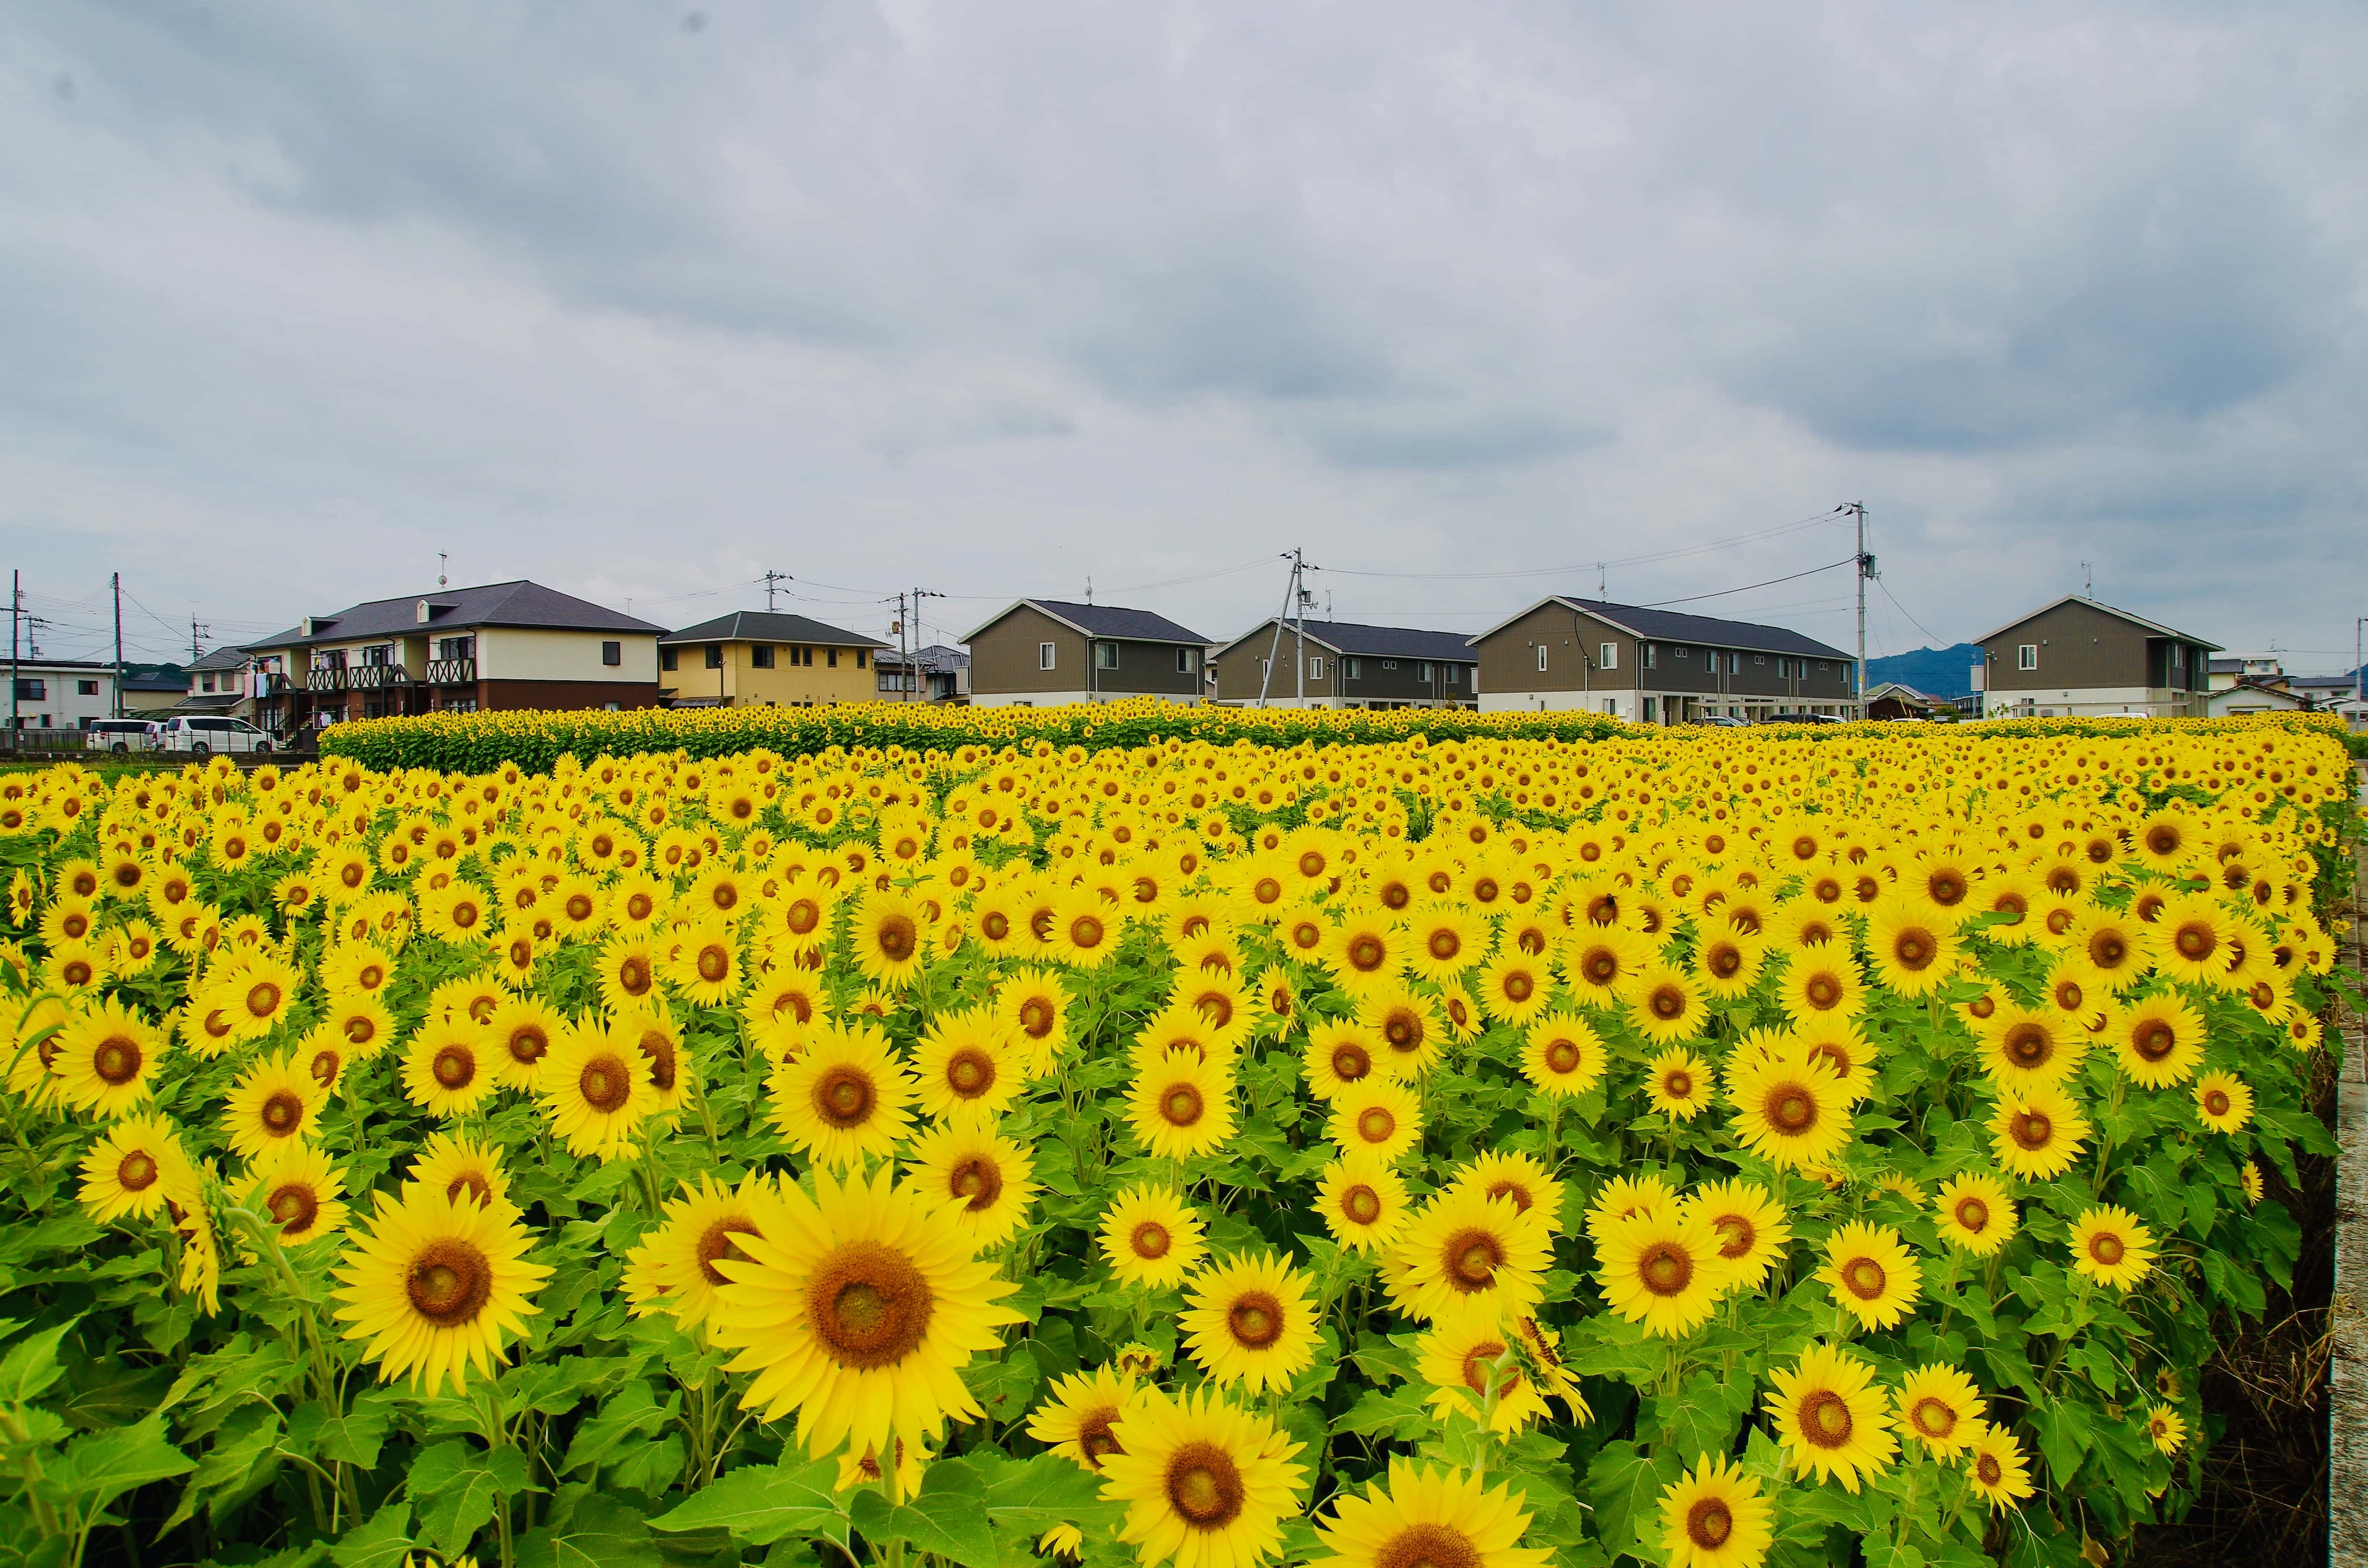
452,672
357,678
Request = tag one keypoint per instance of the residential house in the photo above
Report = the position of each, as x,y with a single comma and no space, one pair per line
759,659
2225,672
1656,666
502,645
60,694
152,692
2255,695
2077,658
2332,692
1341,664
938,673
222,684
1044,653
1893,700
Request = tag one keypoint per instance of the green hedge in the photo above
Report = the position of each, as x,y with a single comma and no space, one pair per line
476,742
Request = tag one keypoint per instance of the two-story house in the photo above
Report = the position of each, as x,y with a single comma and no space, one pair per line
1339,663
60,694
1045,653
502,645
222,684
1656,666
934,674
2077,658
761,659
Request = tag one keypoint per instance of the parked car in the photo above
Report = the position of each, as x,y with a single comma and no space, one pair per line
1806,719
1723,721
202,736
121,735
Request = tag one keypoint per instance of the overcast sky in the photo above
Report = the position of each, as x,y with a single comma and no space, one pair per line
641,301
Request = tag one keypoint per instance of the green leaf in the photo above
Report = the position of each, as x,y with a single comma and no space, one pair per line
600,1533
95,1470
1625,1485
454,1486
948,1515
1400,1413
353,1438
31,1365
383,1542
760,1504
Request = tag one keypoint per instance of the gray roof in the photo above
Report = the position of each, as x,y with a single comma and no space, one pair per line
2157,627
765,626
1672,626
1106,620
2322,683
936,659
156,683
520,603
222,658
1369,642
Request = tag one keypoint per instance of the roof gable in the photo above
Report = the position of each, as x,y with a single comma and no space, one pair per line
766,625
1357,639
1652,625
521,604
1113,621
2156,627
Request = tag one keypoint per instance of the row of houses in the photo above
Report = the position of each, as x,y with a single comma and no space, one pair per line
523,646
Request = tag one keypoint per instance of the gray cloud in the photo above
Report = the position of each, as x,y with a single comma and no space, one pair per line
295,296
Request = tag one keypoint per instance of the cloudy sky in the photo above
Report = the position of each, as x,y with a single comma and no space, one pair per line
643,300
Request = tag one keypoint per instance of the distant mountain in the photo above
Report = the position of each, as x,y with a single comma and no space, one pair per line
1935,672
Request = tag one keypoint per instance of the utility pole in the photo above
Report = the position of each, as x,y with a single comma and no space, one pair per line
16,611
117,580
2359,669
772,581
1274,650
195,632
1865,570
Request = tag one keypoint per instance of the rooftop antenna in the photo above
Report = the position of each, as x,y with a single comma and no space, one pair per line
2086,572
442,560
772,581
1089,590
1600,591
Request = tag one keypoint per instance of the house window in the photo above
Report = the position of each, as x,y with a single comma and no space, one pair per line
1612,706
205,683
462,648
612,654
2026,657
1105,655
376,654
1422,672
1352,669
715,655
760,656
1315,667
2178,656
1652,651
1044,655
1607,657
1648,703
1455,675
1542,656
1183,661
859,658
665,658
830,657
86,688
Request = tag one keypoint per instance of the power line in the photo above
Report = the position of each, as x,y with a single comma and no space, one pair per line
1771,583
1599,566
1903,609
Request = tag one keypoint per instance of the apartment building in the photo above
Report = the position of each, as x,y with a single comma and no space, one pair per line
1656,666
1044,653
761,659
1339,663
2077,658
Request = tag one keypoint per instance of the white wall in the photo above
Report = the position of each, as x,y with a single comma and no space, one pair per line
512,653
62,700
1563,702
1062,698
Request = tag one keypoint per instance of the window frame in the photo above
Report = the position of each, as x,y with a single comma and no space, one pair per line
2026,656
1047,655
1541,658
1183,660
1105,654
1351,668
761,655
1607,656
612,653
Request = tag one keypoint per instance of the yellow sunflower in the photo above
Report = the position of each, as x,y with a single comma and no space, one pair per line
964,1065
1036,1007
988,1178
1152,1237
1363,1202
1663,1269
1464,1246
463,1169
889,938
1409,1030
1182,1105
448,1069
2038,1133
1474,1365
1207,1484
1518,1177
1079,1417
1976,1212
435,1285
274,1101
297,1189
1873,1275
1443,1518
1380,1119
2028,1048
1941,1408
1562,1054
1751,1227
845,1100
1516,987
1994,1461
124,1173
1913,951
673,1267
2166,1429
2224,1102
1715,1516
2111,1248
627,969
1678,1083
1791,1111
1248,1320
105,1059
857,1308
523,1030
1342,1054
595,1088
1665,1004
704,964
1832,1419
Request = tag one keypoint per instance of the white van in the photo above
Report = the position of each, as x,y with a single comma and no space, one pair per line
202,736
119,734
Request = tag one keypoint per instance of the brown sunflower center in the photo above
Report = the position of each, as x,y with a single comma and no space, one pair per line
1736,1234
454,1066
970,1072
1375,1124
1987,1468
2028,1046
1933,1416
1403,1030
2031,1129
1362,1204
1473,1257
1667,1004
1677,1083
1088,932
2216,1101
324,1067
1864,1279
845,1097
1564,1055
1254,1319
1036,1018
117,1059
870,1305
1791,1109
450,1281
1666,1270
977,1179
1351,1062
1095,1437
1600,966
1973,1214
528,1044
294,1207
2195,941
1181,1106
138,1171
714,963
1825,1418
1519,985
1150,1240
606,1083
473,1184
280,1113
2107,1248
1913,949
1477,1361
2154,1039
715,1242
1366,953
1428,1546
1204,1486
658,1047
1444,944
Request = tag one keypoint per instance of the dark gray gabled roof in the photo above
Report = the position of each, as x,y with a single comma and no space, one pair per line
2157,627
222,658
1367,642
1104,620
1673,626
519,604
936,659
156,683
766,626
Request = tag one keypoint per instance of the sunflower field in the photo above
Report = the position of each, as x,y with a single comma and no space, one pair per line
1479,1153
